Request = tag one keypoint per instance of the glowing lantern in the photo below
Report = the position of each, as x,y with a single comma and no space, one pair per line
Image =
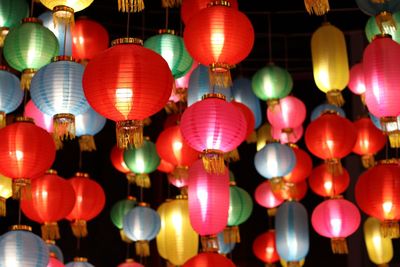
287,136
87,126
379,248
54,262
266,198
224,247
336,219
317,7
323,183
209,259
190,7
55,250
264,248
161,238
303,166
79,262
324,108
5,193
372,29
248,115
116,93
118,212
357,81
167,167
90,200
330,63
130,263
11,13
39,118
117,159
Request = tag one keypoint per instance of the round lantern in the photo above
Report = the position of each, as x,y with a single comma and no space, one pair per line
89,38
11,13
291,191
323,183
5,193
209,259
54,262
10,94
189,8
53,198
379,248
264,247
130,263
79,262
55,250
214,37
21,248
224,248
287,136
331,137
214,127
118,212
28,47
266,198
324,108
357,81
382,11
167,167
142,224
302,168
116,92
26,152
249,117
292,236
142,161
317,7
117,159
87,126
90,200
330,63
336,219
372,28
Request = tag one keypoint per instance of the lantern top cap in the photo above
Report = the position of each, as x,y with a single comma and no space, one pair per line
166,31
232,183
32,20
129,260
51,171
143,204
50,242
131,198
214,95
63,58
181,197
219,3
23,119
20,227
53,255
3,67
80,259
381,35
62,8
82,174
127,40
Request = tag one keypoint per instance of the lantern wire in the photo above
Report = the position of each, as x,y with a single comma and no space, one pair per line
269,38
166,17
19,212
127,24
78,246
31,11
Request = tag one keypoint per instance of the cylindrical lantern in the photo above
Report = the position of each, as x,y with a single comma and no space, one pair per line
5,193
379,248
11,13
87,126
303,167
264,247
324,108
323,183
209,259
118,212
265,197
330,62
130,263
79,262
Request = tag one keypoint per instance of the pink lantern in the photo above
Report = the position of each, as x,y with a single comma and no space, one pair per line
266,198
357,81
54,262
41,119
336,219
286,136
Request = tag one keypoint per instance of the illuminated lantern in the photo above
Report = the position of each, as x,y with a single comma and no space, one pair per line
292,236
317,7
336,219
28,47
224,247
117,94
87,126
130,263
142,161
55,250
331,138
330,63
291,191
54,262
357,81
53,198
190,7
161,238
370,141
26,152
167,167
182,83
381,79
214,127
117,159
248,115
10,94
142,224
323,183
89,38
303,166
11,13
379,248
378,197
266,198
21,248
287,136
324,108
90,201
5,193
79,262
214,37
372,29
119,210
264,248
39,118
209,259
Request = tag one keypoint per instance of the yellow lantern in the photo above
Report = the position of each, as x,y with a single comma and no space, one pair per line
284,263
63,10
5,192
379,248
264,136
330,62
161,237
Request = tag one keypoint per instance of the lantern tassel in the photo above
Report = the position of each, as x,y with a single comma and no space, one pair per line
171,3
232,156
209,243
220,76
293,264
3,209
21,189
277,184
63,15
142,248
385,22
57,142
362,96
143,180
64,126
130,5
86,143
213,162
271,212
339,246
390,229
79,228
368,161
317,7
273,104
26,78
3,121
252,138
131,177
392,129
231,235
124,238
129,133
334,166
3,33
335,97
50,231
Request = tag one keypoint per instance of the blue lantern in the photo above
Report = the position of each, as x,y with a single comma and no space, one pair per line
11,94
141,225
87,125
55,250
224,248
243,93
79,262
323,108
291,228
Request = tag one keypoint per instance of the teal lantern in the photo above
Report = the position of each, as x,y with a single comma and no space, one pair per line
11,13
118,212
372,28
172,48
142,161
87,125
28,47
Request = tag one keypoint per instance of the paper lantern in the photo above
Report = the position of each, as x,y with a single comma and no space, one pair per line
303,166
55,250
118,212
166,167
54,262
264,247
266,198
182,83
224,248
323,183
336,219
287,136
5,193
79,262
117,94
248,115
330,62
209,259
117,159
87,126
324,108
357,81
379,248
372,28
317,7
39,118
190,7
130,263
161,238
11,14
291,191
90,201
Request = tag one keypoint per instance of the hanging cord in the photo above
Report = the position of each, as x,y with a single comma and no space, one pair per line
141,194
32,5
78,246
19,212
128,247
128,24
65,38
166,17
269,38
143,23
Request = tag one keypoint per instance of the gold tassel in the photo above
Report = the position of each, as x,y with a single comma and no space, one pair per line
368,161
171,3
3,33
3,121
142,248
334,166
335,97
293,264
79,228
252,138
390,229
21,188
318,7
264,136
3,209
50,231
385,22
277,184
232,156
362,96
131,177
220,75
26,78
143,180
391,128
64,126
129,133
209,243
124,237
271,212
63,15
59,144
213,161
130,5
339,246
232,234
86,143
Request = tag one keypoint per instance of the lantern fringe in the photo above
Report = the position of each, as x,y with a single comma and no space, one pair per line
385,22
252,138
232,234
220,76
362,96
293,264
63,15
391,127
130,5
3,206
394,139
334,166
143,180
318,7
86,143
59,144
129,133
213,162
79,228
335,97
339,246
3,121
271,212
277,184
131,177
232,156
64,126
26,78
3,33
368,161
272,104
124,238
209,243
50,231
171,3
142,248
390,229
21,189
184,191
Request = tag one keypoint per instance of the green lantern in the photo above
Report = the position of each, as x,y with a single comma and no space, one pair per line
272,83
28,47
119,210
142,161
172,48
11,13
372,29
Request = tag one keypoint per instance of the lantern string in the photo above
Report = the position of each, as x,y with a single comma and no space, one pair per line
19,212
65,38
127,24
269,38
141,193
127,250
143,28
80,161
31,11
166,17
78,246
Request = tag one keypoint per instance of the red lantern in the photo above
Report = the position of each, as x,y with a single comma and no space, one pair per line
292,191
286,136
90,200
369,141
119,84
303,166
209,259
130,263
356,81
266,198
248,115
191,7
52,199
331,137
264,247
165,166
117,159
324,184
336,219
